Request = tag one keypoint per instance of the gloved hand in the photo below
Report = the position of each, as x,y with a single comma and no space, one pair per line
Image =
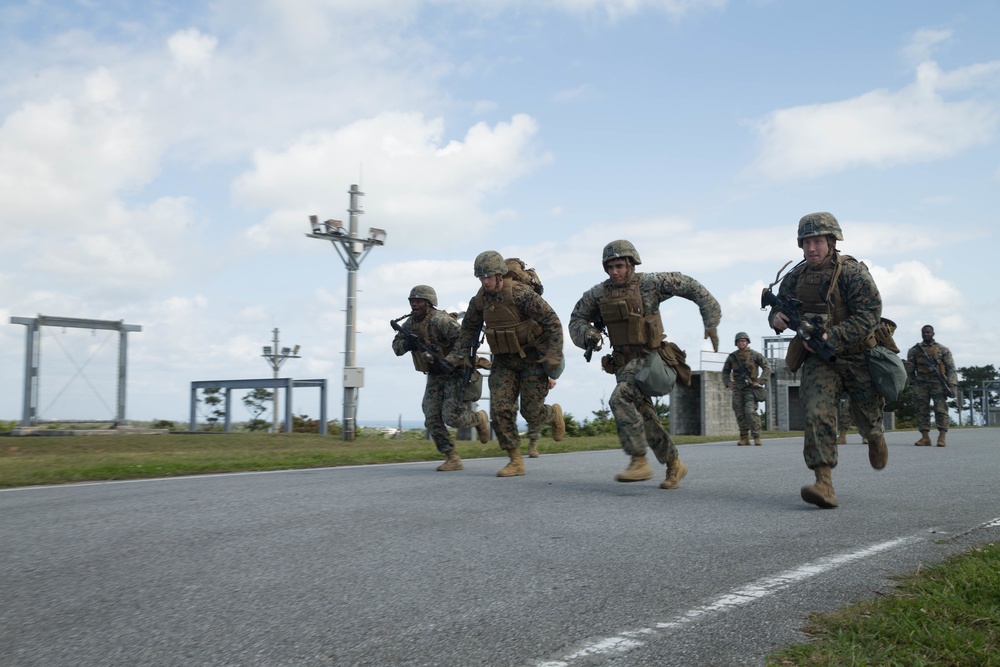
408,344
593,339
710,332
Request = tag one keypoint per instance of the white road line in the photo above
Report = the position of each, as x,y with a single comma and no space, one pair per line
739,597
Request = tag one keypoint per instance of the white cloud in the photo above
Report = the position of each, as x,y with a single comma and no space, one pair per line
426,187
880,128
922,44
192,49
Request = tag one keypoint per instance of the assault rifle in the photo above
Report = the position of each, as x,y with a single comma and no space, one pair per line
931,366
438,365
473,355
594,345
810,330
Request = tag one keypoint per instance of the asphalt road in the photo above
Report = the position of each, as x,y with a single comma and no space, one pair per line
402,565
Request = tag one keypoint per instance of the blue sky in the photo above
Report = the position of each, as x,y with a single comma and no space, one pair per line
159,161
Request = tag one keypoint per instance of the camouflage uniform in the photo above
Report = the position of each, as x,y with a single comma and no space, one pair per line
512,376
744,401
443,403
636,420
926,385
822,383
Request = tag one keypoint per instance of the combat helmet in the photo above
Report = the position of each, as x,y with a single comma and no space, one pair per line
743,335
819,224
425,292
620,248
490,263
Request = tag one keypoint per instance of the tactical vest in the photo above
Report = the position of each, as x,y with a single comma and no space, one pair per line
422,329
744,359
934,352
631,332
820,295
508,331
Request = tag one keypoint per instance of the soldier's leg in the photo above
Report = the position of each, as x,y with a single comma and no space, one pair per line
656,436
534,389
504,384
456,411
922,405
866,406
629,423
433,419
820,393
941,419
740,415
750,413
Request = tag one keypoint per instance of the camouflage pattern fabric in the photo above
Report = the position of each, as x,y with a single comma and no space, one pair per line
442,403
844,419
927,388
744,402
513,378
635,418
823,383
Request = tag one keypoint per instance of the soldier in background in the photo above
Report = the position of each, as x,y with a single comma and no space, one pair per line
628,304
932,372
526,339
841,292
745,373
444,401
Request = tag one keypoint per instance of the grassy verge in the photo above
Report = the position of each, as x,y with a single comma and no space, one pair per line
32,460
947,615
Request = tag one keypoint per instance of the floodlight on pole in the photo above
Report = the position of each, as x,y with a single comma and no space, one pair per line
352,250
276,360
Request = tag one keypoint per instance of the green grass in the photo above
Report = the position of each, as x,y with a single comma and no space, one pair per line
41,459
947,615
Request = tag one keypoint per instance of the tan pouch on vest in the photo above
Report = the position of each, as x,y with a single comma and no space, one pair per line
796,354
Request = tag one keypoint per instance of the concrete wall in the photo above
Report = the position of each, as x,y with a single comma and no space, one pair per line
704,408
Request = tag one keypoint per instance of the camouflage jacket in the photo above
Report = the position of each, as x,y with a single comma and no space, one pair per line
754,361
654,288
532,307
859,294
941,359
437,328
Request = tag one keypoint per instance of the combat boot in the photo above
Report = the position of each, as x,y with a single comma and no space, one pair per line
842,438
756,441
483,427
744,439
924,440
638,471
532,450
515,467
821,493
453,462
675,473
558,424
878,452
941,439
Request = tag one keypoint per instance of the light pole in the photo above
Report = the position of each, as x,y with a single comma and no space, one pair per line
276,359
353,250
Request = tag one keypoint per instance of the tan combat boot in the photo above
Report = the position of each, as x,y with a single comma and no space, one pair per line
638,470
558,425
941,439
453,462
842,438
483,427
821,493
515,467
924,440
675,473
756,441
878,452
532,450
744,439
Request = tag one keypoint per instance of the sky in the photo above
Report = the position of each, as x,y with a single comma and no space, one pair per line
159,161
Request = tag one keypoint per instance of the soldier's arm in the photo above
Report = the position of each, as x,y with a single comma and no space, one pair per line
585,312
727,369
950,372
765,367
397,341
668,284
865,304
538,309
444,329
472,324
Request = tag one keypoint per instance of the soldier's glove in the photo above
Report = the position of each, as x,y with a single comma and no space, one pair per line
593,340
483,363
552,366
408,344
710,332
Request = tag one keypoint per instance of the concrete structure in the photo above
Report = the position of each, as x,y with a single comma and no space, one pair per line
269,383
704,408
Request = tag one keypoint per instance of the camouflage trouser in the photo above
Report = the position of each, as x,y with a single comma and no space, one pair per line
534,431
443,406
820,392
636,420
923,394
510,378
745,407
844,420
